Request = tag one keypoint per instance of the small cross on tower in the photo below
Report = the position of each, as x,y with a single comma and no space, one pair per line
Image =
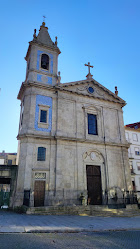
89,75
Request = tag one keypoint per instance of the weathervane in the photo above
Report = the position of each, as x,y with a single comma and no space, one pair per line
44,18
89,75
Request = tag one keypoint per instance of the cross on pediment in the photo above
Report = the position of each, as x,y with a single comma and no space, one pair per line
89,75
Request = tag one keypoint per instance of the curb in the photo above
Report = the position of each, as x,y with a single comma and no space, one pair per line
67,230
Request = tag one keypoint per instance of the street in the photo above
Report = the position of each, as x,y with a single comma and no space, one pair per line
106,240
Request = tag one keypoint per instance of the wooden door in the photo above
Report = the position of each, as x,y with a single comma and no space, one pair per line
39,193
94,185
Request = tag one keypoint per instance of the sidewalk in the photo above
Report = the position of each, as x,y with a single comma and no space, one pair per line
21,223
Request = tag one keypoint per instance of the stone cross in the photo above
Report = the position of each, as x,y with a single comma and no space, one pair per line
89,76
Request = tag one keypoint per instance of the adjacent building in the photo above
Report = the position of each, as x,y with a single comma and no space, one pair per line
71,136
132,132
8,177
8,158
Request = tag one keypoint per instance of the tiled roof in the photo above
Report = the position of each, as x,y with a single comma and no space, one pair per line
133,126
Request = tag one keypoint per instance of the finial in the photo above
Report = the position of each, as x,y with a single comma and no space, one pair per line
43,23
34,35
59,78
56,40
116,91
89,75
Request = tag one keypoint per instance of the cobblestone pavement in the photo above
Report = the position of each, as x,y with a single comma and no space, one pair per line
20,223
94,240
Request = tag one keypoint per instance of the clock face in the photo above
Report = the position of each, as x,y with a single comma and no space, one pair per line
90,89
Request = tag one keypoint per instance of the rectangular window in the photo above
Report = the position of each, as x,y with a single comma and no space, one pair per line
43,116
9,162
138,165
41,155
127,135
135,137
137,152
92,124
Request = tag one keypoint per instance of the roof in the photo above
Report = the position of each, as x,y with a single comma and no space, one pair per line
43,39
3,154
66,86
135,126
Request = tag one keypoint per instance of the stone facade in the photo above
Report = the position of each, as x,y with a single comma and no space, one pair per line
69,146
132,132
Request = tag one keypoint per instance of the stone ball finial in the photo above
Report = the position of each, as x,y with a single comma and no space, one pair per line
43,24
116,91
34,35
56,40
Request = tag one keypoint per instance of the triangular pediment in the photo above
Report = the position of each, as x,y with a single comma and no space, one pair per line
91,88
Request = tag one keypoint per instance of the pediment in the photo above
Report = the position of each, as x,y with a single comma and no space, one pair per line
91,88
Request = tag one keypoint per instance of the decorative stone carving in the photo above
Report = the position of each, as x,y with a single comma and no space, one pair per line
93,155
81,88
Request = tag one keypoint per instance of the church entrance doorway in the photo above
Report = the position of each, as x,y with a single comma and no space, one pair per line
94,187
39,193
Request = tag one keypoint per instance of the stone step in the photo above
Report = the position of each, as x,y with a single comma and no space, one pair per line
132,210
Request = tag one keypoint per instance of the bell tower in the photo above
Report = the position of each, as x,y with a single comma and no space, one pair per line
42,58
37,117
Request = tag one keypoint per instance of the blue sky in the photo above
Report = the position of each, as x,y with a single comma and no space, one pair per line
106,33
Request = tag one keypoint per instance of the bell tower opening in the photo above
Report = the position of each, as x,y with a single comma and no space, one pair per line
45,61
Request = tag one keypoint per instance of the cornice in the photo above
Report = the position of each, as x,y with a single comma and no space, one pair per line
96,83
56,87
28,84
46,73
36,43
72,139
90,96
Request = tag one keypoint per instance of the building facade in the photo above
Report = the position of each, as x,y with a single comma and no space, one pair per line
132,132
8,158
71,136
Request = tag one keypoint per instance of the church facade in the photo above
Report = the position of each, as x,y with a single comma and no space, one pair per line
72,144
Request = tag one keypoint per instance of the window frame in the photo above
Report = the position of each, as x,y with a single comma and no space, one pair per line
92,109
38,156
9,162
137,151
42,116
43,124
96,128
136,136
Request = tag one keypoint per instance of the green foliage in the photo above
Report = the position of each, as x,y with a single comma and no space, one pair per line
20,209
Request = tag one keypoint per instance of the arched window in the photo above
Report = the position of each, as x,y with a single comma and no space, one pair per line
45,61
41,155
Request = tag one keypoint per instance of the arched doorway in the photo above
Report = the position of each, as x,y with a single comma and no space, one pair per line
95,177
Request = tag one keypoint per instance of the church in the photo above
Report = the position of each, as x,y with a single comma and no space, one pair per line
72,147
